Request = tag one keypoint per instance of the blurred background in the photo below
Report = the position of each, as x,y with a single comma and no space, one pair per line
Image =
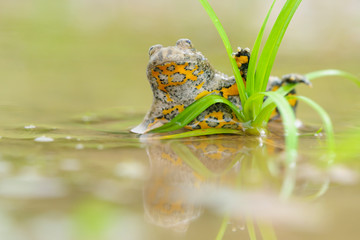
62,57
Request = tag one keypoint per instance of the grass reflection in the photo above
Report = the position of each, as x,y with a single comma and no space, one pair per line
241,178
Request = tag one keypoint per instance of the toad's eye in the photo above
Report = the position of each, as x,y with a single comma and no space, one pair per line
184,43
154,49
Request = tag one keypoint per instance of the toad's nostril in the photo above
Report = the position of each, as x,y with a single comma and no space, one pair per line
184,43
154,49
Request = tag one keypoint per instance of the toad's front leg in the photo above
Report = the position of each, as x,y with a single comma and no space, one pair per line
275,83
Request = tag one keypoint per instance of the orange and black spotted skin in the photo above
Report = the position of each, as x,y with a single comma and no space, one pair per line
179,75
275,83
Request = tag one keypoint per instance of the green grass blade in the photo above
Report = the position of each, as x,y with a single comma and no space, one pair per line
250,104
192,111
228,47
266,230
283,90
250,82
347,147
328,127
311,76
278,43
268,106
191,160
223,227
202,132
270,49
272,45
288,120
322,190
263,117
333,72
250,228
289,182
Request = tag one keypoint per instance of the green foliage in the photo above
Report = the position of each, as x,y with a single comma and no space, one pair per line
250,88
255,113
326,119
288,118
223,227
191,112
332,72
202,132
228,48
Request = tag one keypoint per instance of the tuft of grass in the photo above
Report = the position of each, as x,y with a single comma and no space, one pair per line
269,52
192,111
250,88
255,112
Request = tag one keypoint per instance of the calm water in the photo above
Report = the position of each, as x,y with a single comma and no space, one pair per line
85,179
73,83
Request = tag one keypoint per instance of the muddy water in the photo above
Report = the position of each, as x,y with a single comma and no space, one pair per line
73,83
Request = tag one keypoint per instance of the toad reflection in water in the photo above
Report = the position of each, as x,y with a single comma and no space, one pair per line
179,168
223,174
179,75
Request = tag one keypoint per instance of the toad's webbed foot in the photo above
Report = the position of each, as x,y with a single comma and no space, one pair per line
275,83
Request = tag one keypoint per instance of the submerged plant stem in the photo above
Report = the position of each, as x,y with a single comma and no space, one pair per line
267,230
250,228
223,227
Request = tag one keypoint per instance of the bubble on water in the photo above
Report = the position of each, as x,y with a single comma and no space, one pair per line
262,133
261,142
298,123
30,126
318,134
68,137
43,139
79,146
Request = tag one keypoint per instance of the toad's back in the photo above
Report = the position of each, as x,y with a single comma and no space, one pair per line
179,75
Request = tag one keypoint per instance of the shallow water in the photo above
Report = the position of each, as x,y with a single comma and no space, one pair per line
73,83
85,179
